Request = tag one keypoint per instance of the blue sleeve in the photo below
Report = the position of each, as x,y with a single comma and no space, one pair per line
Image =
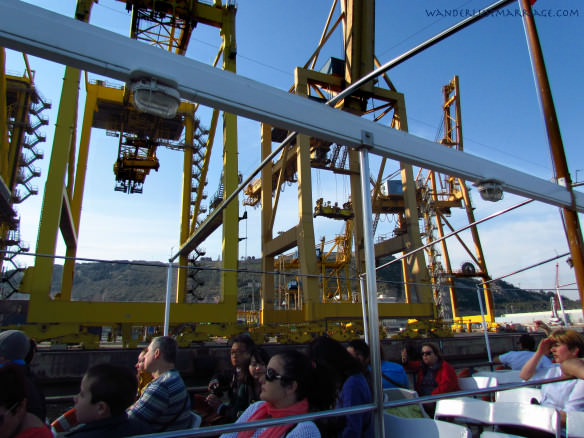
355,392
402,378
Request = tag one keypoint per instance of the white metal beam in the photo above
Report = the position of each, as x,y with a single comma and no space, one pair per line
42,33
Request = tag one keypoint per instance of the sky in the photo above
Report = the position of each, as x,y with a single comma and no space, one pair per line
501,119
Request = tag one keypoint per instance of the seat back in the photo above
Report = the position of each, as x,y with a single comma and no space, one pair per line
399,394
392,394
397,427
482,382
518,395
491,434
574,424
524,415
465,409
521,415
195,420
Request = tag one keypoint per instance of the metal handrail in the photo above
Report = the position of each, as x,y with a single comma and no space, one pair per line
216,430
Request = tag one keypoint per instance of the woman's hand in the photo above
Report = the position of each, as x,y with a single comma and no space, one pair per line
213,401
545,346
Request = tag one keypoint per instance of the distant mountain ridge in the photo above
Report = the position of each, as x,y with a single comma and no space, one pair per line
141,281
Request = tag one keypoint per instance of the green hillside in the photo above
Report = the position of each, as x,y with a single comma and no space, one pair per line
130,282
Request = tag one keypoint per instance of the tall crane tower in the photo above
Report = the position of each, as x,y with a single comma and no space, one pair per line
168,25
21,122
439,194
294,166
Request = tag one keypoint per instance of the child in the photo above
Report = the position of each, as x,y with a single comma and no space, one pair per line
106,392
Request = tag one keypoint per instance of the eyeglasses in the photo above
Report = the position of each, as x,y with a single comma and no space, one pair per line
272,375
427,353
10,409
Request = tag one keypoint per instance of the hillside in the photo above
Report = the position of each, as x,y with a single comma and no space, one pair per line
125,282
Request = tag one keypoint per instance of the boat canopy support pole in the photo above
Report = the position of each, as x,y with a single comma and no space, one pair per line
372,311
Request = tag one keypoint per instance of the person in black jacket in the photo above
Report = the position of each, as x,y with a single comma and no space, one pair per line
230,391
106,392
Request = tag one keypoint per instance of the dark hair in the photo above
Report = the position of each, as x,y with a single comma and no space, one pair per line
13,384
434,348
361,347
314,381
260,355
31,352
246,340
412,351
331,354
113,384
167,346
527,342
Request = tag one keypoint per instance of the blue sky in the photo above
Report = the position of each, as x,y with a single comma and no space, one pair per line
501,118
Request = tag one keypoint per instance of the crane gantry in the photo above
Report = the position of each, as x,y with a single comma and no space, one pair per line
320,295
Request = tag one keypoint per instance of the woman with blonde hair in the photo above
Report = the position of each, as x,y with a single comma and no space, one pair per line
563,344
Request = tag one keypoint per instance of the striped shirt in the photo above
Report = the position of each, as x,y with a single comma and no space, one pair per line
164,405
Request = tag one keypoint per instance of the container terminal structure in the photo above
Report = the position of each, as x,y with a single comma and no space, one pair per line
323,295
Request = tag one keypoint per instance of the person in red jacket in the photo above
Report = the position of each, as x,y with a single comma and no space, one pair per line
433,374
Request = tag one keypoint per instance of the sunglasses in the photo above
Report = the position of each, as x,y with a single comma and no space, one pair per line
272,375
10,409
427,353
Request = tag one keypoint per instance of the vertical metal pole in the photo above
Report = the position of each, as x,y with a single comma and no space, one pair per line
485,331
371,289
564,317
570,216
167,303
364,307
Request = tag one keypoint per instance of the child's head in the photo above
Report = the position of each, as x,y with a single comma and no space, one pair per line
106,391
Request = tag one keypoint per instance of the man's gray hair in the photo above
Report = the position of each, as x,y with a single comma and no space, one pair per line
167,346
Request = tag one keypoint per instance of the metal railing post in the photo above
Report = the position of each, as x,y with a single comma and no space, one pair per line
371,287
167,302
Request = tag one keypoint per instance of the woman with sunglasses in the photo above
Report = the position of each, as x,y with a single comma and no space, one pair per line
433,374
258,362
15,421
291,385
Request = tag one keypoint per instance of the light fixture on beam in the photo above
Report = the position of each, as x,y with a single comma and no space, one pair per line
490,189
154,95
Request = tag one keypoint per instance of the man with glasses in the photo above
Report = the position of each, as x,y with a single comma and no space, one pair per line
232,390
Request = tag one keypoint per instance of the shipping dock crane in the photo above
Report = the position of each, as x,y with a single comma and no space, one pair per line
294,166
323,295
168,25
438,195
21,123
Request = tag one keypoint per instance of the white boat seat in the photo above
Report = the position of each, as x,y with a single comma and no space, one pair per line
521,415
574,424
392,394
195,420
518,395
398,427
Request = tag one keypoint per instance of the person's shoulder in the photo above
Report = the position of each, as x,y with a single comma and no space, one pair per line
306,429
392,366
357,379
36,432
447,366
256,405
